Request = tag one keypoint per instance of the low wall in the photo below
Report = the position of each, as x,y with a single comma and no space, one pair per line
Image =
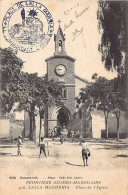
98,125
4,127
123,127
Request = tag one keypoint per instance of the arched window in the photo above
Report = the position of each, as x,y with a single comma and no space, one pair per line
60,46
64,93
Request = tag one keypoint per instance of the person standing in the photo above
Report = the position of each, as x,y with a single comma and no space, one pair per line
85,152
19,143
23,17
61,136
53,134
72,136
81,138
65,130
49,133
42,147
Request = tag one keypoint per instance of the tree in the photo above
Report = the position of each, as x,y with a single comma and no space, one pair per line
35,93
104,98
112,17
98,95
95,76
107,96
118,100
27,93
10,71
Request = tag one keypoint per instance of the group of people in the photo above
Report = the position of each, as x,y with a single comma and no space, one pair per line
44,144
61,131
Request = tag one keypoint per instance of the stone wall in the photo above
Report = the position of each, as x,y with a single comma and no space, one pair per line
4,127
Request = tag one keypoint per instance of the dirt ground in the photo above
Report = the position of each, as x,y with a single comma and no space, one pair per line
108,164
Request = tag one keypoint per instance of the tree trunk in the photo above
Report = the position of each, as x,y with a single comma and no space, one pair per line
31,127
106,126
118,136
34,127
40,127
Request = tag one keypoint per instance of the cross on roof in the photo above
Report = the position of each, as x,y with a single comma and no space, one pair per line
59,22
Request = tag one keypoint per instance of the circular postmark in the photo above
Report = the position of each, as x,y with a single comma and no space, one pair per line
28,26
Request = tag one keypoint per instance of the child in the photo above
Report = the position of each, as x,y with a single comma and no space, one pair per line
72,136
81,137
61,138
53,134
85,152
19,143
64,132
42,147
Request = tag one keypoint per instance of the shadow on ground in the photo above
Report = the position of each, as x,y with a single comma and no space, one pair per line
68,163
33,156
6,154
8,146
113,147
122,155
57,143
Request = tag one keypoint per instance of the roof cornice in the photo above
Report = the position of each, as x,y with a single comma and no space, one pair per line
60,56
82,79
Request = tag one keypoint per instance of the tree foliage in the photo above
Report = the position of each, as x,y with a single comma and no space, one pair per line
10,72
97,94
35,91
35,94
112,17
105,95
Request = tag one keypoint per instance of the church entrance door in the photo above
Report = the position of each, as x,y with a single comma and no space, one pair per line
62,118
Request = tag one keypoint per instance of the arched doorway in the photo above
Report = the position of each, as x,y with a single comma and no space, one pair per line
62,118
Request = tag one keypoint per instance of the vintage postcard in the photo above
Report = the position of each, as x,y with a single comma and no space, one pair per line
63,100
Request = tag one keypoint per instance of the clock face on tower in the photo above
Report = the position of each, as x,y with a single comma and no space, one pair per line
60,70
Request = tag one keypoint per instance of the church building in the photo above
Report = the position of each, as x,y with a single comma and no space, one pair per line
61,68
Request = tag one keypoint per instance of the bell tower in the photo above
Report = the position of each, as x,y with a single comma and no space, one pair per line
59,39
60,68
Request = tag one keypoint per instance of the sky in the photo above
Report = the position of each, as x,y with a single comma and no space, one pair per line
80,26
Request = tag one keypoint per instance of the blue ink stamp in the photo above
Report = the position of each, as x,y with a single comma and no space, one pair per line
28,26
